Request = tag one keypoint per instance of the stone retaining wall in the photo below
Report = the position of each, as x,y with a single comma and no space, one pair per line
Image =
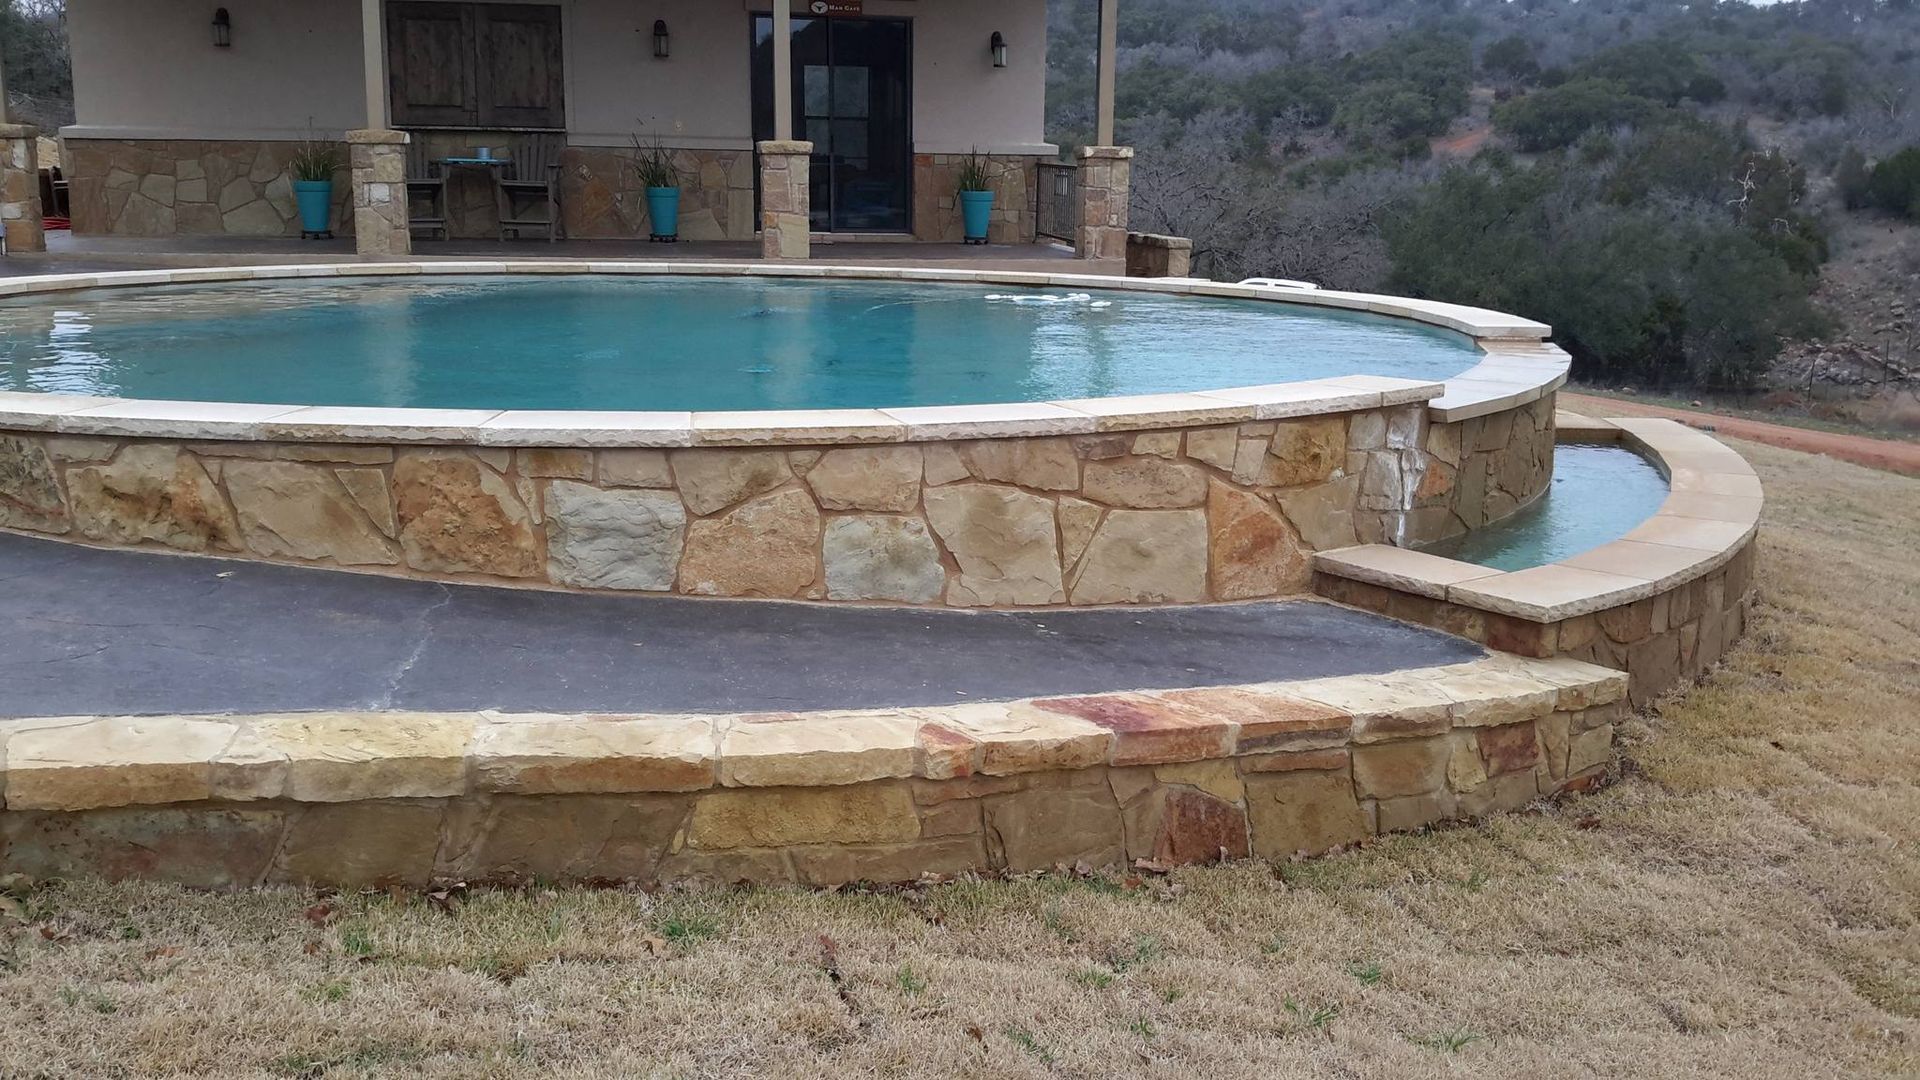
1222,512
1663,603
1661,641
1171,777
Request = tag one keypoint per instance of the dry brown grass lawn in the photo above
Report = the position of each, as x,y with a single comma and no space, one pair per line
1745,903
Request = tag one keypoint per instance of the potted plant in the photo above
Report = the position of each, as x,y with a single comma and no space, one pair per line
653,168
313,166
976,197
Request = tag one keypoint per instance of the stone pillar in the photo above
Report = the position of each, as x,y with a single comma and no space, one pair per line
1105,175
379,160
784,200
1153,255
20,188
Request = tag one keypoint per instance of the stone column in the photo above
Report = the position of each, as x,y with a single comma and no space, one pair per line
1153,255
379,160
1104,176
784,200
20,188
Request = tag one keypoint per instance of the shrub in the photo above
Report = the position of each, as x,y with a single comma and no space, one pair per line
1558,116
1894,184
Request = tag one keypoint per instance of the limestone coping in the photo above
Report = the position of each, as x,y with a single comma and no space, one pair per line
1517,366
89,762
1711,512
377,137
1159,240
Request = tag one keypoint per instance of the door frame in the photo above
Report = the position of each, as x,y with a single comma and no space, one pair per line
753,76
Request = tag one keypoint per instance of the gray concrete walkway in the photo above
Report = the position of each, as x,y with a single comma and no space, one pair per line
87,630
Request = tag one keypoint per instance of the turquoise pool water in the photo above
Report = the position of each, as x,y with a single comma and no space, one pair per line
579,342
1598,495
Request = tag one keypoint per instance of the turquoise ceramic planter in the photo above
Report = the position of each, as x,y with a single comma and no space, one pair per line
976,208
315,198
663,207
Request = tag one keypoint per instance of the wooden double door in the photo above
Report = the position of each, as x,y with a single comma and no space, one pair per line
476,65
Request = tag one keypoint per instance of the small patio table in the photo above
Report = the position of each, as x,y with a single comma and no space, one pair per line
494,165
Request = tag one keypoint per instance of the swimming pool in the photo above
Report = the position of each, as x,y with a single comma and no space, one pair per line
1598,495
681,342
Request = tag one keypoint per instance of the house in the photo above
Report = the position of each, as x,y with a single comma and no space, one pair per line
843,117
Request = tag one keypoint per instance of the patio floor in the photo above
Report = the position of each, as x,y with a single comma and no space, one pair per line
87,631
67,253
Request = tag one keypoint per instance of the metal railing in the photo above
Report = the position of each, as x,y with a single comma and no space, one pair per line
1054,192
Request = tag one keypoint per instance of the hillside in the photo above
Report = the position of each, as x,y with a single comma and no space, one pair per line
1684,191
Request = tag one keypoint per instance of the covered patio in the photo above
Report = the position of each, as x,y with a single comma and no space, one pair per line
830,130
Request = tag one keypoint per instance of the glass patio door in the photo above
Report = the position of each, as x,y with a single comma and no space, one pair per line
851,98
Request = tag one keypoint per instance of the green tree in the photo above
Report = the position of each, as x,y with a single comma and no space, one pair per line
1666,292
1894,184
1659,68
1555,117
1510,58
33,46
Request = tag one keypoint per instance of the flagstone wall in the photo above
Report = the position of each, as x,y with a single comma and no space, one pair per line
158,187
1181,515
1166,778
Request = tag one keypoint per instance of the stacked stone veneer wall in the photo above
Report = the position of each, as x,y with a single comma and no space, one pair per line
936,200
155,187
1662,603
600,197
158,187
1182,776
1477,471
1222,512
1660,641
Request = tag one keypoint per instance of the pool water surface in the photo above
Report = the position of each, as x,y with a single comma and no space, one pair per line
1598,495
682,343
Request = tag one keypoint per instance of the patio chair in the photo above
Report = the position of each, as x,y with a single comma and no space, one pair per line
426,184
530,188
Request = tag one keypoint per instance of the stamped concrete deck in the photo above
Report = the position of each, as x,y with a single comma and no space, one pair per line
92,631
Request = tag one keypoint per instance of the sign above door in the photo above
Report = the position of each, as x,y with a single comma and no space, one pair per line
834,7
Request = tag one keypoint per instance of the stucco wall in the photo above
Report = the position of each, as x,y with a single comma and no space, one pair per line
148,69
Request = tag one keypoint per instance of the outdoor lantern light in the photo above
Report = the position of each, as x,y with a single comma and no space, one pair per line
222,29
659,39
998,46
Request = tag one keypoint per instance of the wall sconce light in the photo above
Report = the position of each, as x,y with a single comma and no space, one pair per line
659,39
222,29
997,45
